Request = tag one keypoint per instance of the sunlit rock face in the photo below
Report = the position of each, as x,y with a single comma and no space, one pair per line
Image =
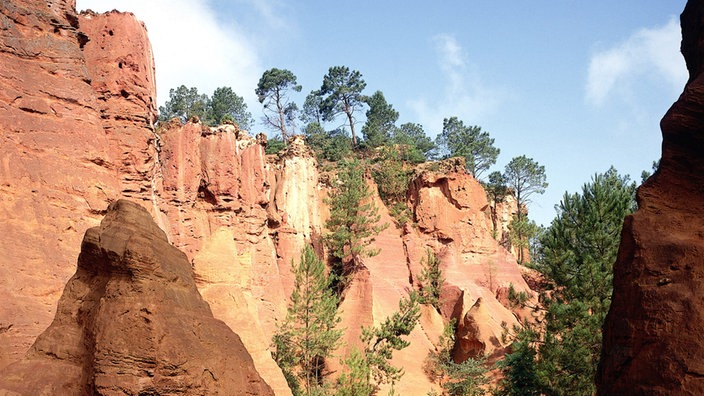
653,334
131,321
57,168
77,108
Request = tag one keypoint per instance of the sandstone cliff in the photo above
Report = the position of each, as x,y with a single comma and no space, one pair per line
653,332
76,116
57,172
131,321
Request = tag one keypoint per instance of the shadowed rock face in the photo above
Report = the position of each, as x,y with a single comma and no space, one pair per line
654,333
131,321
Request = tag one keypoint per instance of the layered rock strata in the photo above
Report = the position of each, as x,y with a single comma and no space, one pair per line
652,342
131,321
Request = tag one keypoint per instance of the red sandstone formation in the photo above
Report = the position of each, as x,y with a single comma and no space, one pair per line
120,63
131,321
76,113
653,333
56,174
453,218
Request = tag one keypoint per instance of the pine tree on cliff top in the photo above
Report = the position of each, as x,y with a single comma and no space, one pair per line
308,335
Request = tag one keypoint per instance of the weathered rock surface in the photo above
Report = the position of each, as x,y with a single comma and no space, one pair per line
120,63
654,332
131,321
56,167
76,113
216,204
454,221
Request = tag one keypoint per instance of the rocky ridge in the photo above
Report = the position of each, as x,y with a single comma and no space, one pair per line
240,217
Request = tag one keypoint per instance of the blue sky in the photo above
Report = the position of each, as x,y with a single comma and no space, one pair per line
578,86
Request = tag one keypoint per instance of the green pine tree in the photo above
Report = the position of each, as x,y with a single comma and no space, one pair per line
354,219
354,381
457,379
308,335
381,341
577,253
431,280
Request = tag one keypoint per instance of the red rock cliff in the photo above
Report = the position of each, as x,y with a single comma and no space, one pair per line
653,333
57,171
131,321
77,106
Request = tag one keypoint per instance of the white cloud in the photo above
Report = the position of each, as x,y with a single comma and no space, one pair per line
464,94
191,47
647,53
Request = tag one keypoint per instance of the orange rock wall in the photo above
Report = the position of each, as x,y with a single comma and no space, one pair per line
76,123
57,168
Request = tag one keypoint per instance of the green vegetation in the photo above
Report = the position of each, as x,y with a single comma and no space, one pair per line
308,336
457,379
365,370
413,144
469,142
272,91
353,221
392,176
496,191
577,252
525,177
225,105
431,280
341,93
381,119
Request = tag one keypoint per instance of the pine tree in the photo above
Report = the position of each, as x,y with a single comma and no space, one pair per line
381,341
469,142
577,254
354,218
431,280
354,381
272,91
525,177
308,335
341,93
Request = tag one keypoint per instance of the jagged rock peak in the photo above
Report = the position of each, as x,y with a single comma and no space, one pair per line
131,321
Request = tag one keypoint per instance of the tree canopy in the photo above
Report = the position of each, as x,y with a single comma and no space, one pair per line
419,146
308,335
354,218
185,103
469,142
273,92
525,177
341,93
577,255
381,120
224,105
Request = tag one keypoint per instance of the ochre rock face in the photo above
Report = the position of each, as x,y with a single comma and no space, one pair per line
77,134
120,63
56,165
454,222
131,321
654,332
